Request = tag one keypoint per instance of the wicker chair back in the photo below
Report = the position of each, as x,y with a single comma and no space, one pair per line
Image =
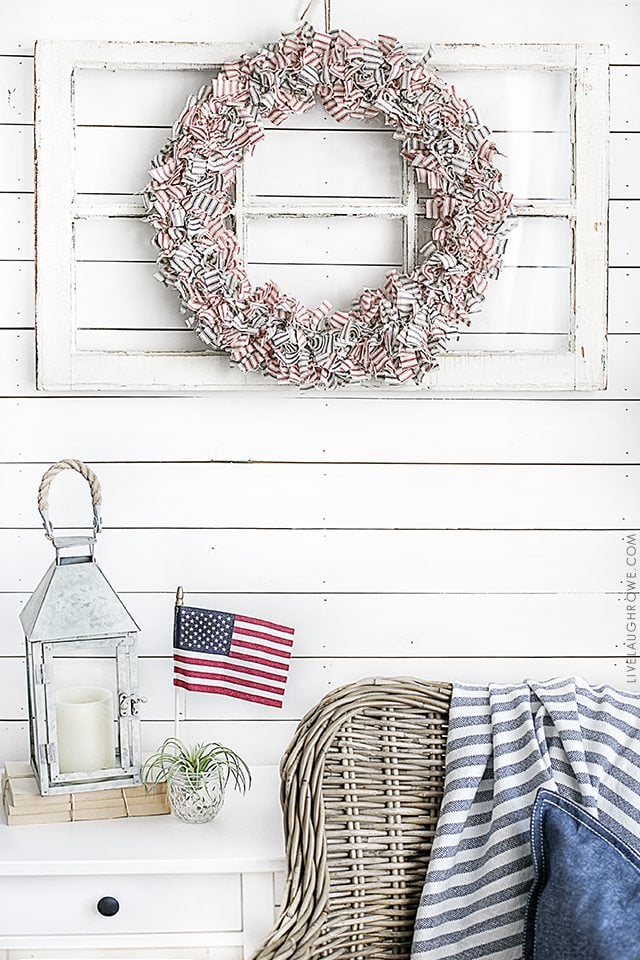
361,789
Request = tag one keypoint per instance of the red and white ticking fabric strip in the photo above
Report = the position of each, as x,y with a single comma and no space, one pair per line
242,657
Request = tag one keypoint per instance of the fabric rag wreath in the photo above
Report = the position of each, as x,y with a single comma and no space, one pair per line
393,333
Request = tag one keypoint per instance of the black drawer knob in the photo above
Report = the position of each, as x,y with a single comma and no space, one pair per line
108,906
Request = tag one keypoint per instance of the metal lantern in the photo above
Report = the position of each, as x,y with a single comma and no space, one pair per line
82,670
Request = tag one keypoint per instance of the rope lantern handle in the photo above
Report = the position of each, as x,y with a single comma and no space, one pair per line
94,487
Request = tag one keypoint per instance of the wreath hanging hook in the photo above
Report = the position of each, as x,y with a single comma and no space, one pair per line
306,6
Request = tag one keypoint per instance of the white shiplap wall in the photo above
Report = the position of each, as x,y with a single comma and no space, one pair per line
471,537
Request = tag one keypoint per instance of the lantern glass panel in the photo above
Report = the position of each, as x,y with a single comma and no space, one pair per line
83,700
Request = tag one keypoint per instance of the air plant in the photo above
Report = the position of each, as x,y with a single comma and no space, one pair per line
205,768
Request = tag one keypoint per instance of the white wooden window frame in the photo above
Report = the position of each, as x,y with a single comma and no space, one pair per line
62,366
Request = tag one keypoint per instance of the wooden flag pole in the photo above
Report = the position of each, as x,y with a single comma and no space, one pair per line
179,693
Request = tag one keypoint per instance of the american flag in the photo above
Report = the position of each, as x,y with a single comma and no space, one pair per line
235,656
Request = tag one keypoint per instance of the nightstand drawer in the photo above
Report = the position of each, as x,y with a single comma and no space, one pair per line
143,904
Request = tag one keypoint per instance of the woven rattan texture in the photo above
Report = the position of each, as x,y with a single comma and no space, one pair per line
362,785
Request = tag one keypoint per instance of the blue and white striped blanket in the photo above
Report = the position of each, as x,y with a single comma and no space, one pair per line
505,742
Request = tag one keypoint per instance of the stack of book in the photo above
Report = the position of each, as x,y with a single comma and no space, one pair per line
23,803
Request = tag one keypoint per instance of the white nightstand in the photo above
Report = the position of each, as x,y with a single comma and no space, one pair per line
193,891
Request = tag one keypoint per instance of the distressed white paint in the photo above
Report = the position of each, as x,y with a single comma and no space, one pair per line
285,206
500,520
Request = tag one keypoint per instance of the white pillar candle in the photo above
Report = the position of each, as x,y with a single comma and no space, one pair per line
85,719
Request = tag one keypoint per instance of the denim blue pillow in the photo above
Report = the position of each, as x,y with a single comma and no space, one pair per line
585,899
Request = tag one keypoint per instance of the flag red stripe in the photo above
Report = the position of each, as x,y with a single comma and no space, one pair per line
266,623
261,648
225,665
263,636
280,667
237,694
210,675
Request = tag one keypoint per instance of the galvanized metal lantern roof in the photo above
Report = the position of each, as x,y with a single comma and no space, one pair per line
74,600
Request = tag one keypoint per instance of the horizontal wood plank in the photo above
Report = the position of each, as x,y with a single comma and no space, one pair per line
325,163
17,371
16,144
14,739
551,22
310,680
624,300
624,233
127,296
181,341
334,496
343,163
532,100
306,163
625,109
350,561
625,166
155,680
346,240
529,99
257,741
17,285
367,625
18,242
320,429
16,79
